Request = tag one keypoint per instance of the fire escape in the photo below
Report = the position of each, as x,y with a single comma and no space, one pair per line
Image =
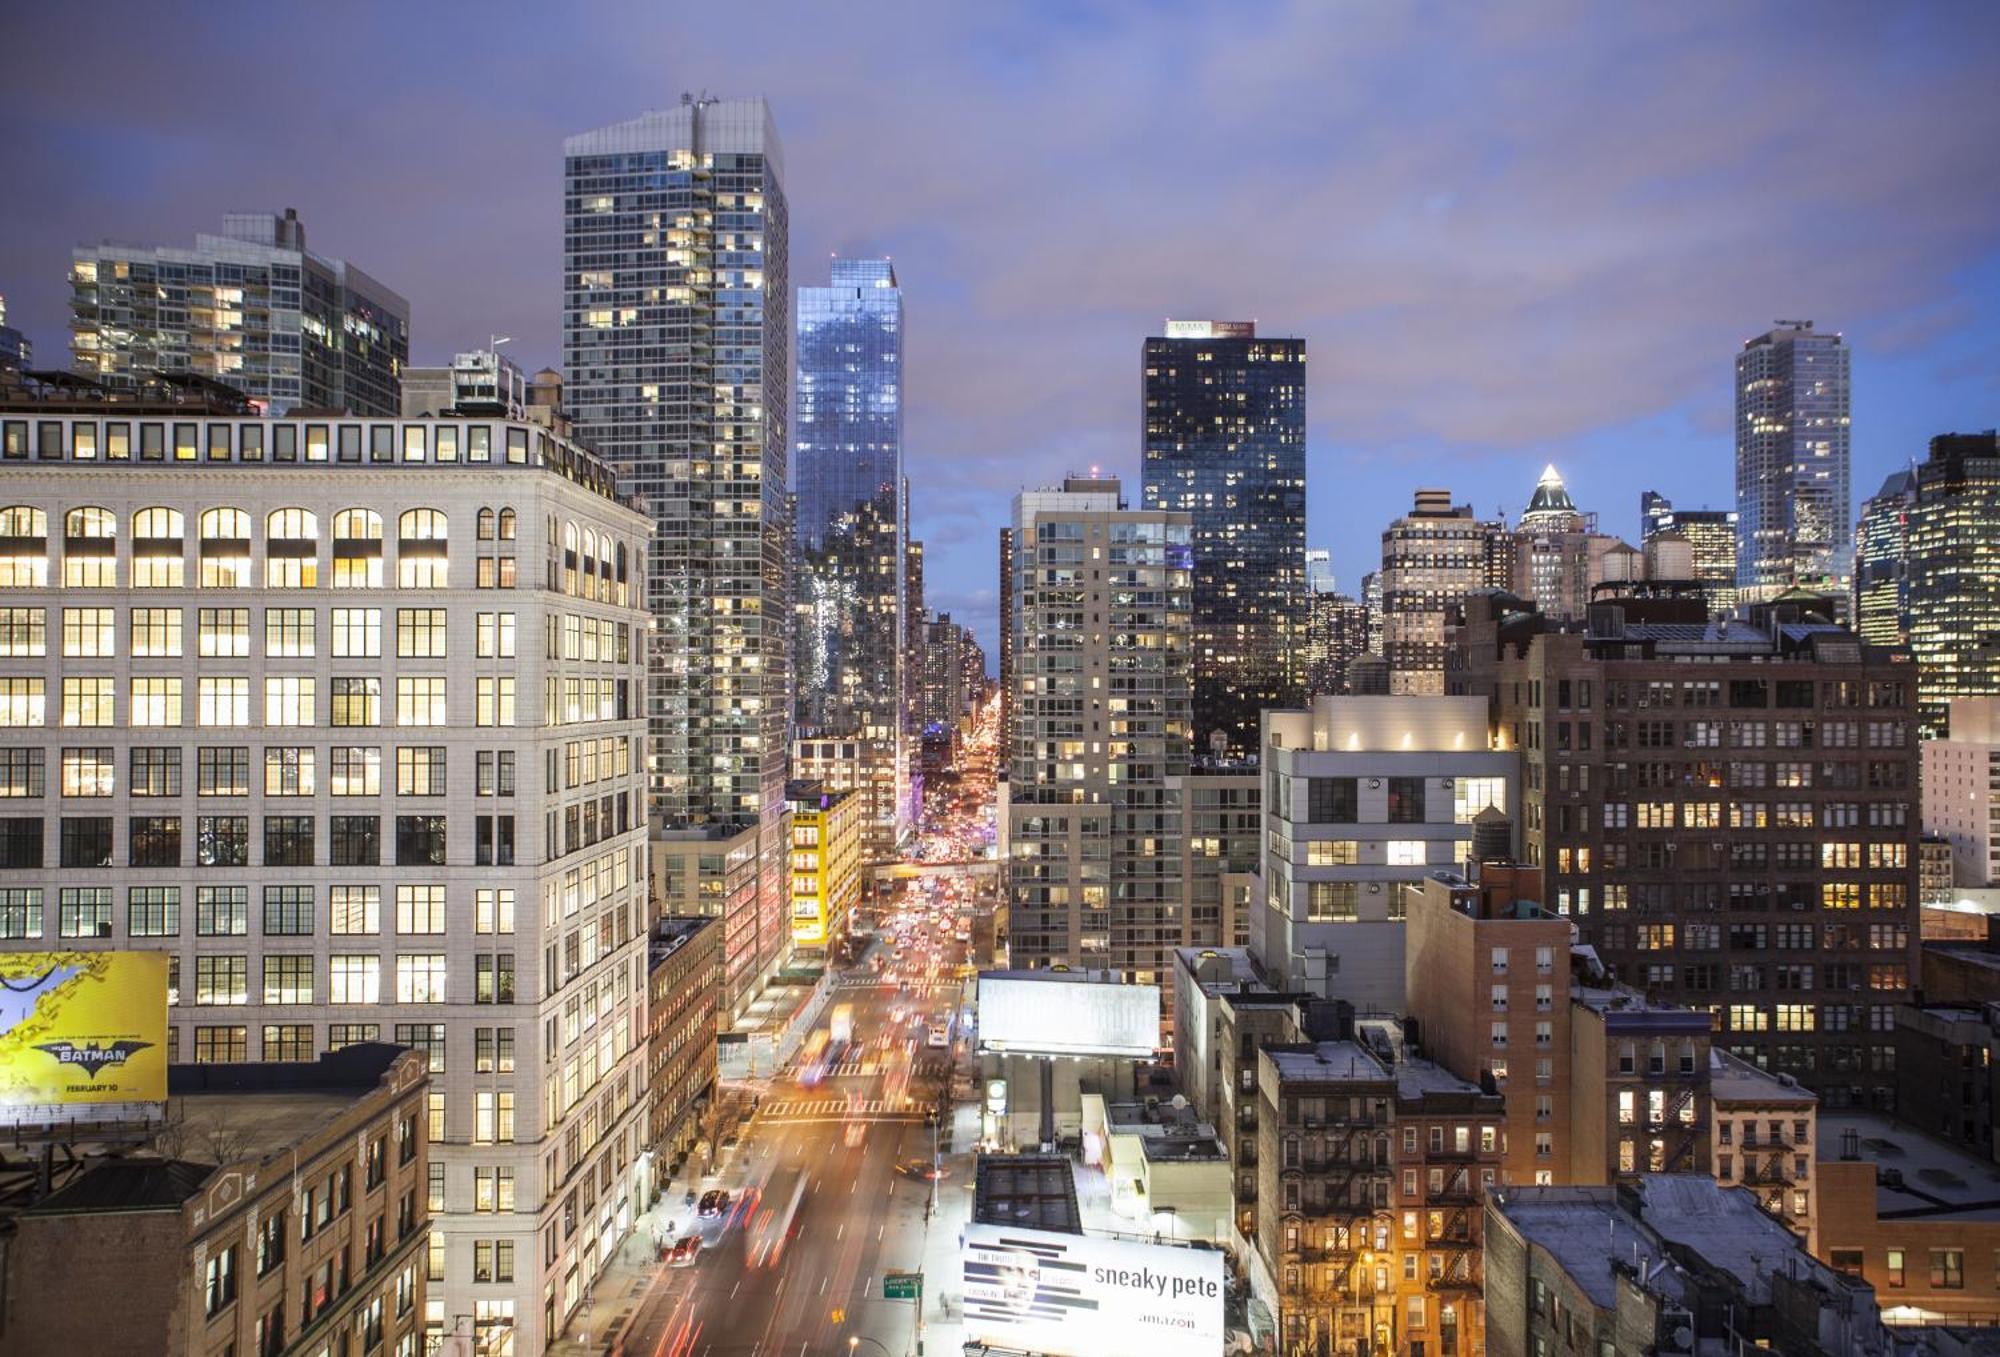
1331,1308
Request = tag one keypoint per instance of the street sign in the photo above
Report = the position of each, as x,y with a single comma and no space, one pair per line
902,1285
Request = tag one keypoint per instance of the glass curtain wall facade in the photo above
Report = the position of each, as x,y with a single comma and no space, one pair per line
1881,556
676,343
251,307
1952,590
1225,443
1794,518
852,536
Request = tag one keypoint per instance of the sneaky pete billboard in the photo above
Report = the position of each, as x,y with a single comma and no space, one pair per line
1072,1296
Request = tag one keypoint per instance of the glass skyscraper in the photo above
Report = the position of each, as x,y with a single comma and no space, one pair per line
1794,518
1225,442
848,444
676,344
1951,591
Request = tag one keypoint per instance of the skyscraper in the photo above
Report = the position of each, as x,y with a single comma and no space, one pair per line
251,307
1336,628
852,534
1557,553
1431,557
1952,591
1092,874
1225,442
676,341
1794,521
1881,561
1711,539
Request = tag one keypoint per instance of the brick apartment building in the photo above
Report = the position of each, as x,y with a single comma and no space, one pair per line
1726,809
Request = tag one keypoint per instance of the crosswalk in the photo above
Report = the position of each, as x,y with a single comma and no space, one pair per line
890,982
837,1109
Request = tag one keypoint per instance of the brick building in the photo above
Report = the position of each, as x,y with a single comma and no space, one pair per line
285,1210
1726,809
684,983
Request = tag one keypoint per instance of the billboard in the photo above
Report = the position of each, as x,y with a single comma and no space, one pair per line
1072,1296
1055,1014
82,1027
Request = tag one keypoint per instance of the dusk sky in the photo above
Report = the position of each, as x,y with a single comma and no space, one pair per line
1510,234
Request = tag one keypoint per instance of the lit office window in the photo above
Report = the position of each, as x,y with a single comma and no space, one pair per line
159,549
90,549
24,547
291,549
225,549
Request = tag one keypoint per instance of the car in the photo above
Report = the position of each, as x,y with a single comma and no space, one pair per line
921,1169
713,1203
685,1251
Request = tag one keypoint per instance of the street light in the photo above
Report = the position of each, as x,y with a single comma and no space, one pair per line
855,1340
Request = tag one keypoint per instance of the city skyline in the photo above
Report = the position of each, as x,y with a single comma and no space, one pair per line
1437,253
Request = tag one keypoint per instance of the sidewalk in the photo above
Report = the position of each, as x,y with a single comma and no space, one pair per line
616,1291
944,1319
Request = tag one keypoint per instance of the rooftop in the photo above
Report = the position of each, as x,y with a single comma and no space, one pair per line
1325,1062
127,1185
671,933
1915,1175
1725,1228
1732,1079
1032,1190
1588,1232
1216,969
1617,1002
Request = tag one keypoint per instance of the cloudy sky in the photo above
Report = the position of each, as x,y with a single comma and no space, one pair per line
1509,233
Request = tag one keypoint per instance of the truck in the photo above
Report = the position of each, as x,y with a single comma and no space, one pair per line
842,1024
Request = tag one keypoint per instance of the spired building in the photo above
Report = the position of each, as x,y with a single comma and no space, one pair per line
676,344
343,716
852,532
1225,443
1100,731
251,307
1795,522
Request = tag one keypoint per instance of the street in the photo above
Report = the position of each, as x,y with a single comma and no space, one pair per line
831,1185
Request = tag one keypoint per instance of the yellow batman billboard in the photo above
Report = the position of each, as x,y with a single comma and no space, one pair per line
82,1027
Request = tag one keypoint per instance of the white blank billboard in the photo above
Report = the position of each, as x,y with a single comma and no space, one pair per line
1067,1017
1071,1296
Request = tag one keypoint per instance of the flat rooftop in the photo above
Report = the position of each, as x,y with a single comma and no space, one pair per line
1617,999
1325,1062
1032,1190
1586,1231
1732,1079
1727,1229
1928,1178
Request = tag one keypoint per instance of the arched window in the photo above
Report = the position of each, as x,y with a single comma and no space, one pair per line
589,589
485,528
24,547
569,541
620,592
423,549
225,549
507,525
90,549
291,549
159,549
357,549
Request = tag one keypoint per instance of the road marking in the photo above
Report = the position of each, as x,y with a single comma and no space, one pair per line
878,1232
840,1230
733,1289
822,1284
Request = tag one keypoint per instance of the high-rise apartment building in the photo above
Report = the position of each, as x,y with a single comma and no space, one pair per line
944,673
252,307
1225,443
1952,590
1795,521
1711,538
1432,557
1101,713
676,345
848,450
1727,811
1881,561
1961,789
344,716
